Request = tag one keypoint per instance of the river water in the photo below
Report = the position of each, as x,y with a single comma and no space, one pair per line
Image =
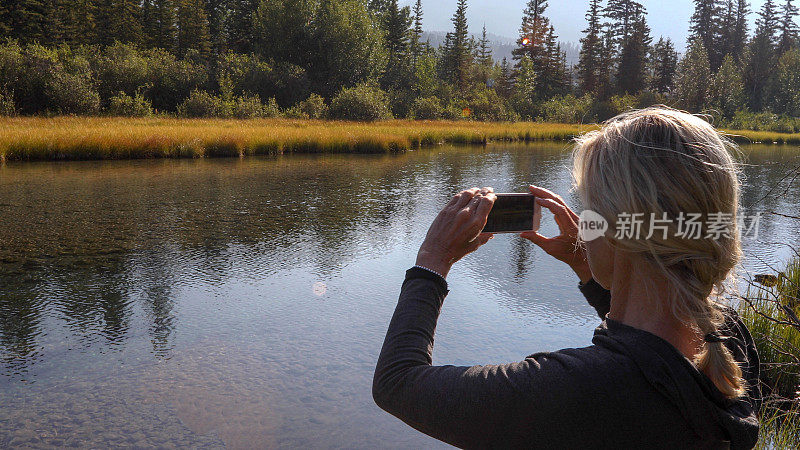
243,302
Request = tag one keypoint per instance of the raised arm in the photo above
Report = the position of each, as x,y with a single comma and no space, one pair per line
479,406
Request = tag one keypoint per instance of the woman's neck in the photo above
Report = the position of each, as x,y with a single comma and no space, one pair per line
640,298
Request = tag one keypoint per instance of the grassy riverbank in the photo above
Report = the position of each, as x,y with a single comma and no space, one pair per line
771,314
30,138
75,138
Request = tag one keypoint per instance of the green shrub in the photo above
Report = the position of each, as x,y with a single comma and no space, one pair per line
487,106
124,105
427,108
121,68
247,107
364,102
7,107
170,80
271,108
202,104
314,107
568,109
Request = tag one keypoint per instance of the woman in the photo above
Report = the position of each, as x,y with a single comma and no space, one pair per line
671,367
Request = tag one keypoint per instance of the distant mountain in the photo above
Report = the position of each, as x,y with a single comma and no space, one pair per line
503,45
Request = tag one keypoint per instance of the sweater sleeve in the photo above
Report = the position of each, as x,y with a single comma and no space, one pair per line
597,296
478,406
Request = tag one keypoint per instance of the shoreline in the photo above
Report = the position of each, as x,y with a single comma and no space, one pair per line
65,138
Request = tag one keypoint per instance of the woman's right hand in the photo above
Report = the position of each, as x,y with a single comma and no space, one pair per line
563,247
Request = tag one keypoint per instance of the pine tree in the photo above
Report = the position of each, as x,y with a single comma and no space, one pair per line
119,20
397,28
706,28
484,50
590,62
27,20
533,35
416,33
505,81
193,31
217,11
787,28
762,57
457,53
665,63
631,74
734,28
159,24
75,22
622,15
239,25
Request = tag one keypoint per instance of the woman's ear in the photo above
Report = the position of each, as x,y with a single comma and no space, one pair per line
601,256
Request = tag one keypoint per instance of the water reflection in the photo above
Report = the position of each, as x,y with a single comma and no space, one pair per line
180,303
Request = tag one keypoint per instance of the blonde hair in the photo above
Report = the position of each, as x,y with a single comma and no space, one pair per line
656,161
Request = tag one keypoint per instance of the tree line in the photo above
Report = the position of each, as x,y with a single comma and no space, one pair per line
366,59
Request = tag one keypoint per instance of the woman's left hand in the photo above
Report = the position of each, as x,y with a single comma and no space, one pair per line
456,231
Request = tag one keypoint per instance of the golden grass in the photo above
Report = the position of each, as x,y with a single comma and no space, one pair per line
70,138
37,138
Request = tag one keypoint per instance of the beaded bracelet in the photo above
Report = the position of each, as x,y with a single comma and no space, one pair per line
429,270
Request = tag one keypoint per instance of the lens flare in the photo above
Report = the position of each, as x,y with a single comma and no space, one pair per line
526,41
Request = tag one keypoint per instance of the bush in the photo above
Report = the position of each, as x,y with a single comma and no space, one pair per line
313,107
568,109
202,104
247,107
124,105
170,80
272,109
7,107
487,106
364,102
121,68
427,108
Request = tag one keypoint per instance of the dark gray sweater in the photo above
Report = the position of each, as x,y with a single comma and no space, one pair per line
631,389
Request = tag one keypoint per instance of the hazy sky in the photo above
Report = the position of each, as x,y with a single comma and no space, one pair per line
668,18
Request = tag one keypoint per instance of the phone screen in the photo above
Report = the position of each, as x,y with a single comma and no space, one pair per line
512,213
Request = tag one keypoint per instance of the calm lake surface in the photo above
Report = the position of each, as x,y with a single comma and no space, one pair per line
243,303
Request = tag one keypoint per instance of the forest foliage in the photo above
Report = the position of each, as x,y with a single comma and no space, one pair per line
366,60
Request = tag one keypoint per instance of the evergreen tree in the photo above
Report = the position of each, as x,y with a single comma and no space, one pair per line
416,33
159,24
734,28
623,15
706,28
505,80
787,28
590,62
240,23
193,31
285,31
396,25
217,12
27,20
553,80
119,20
532,41
74,22
484,50
761,57
457,54
665,63
694,78
631,74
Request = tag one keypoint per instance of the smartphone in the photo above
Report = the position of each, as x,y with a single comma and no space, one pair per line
514,213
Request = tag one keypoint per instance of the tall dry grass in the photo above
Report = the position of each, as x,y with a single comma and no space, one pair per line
770,309
60,138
